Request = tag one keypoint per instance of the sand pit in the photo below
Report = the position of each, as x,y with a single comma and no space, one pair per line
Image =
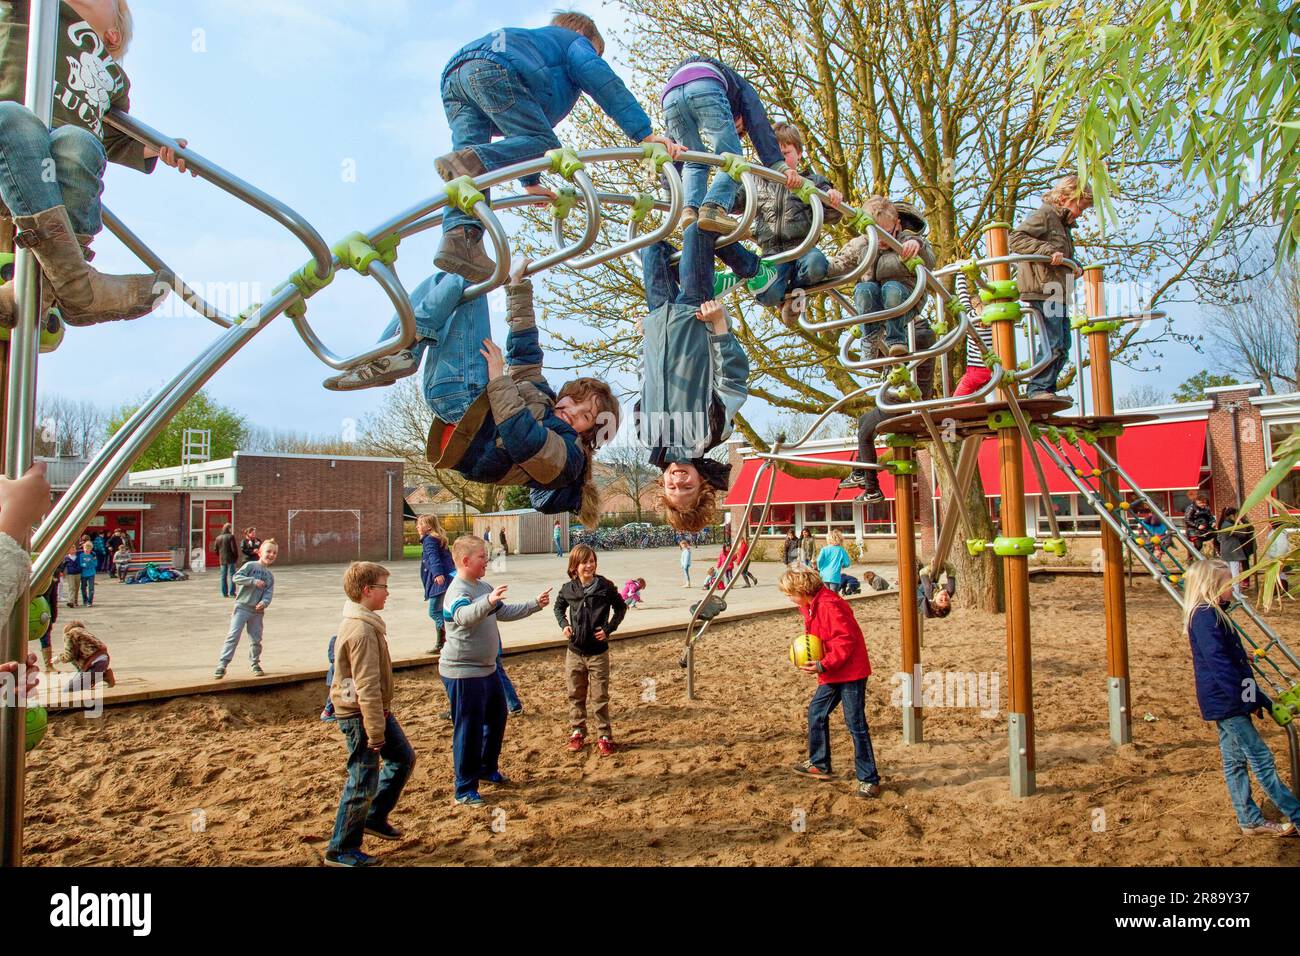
254,778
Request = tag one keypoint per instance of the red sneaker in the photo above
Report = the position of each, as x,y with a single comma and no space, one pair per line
810,769
605,746
577,741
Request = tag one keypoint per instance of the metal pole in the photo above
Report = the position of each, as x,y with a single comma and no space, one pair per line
20,425
905,529
1020,720
1112,549
1078,374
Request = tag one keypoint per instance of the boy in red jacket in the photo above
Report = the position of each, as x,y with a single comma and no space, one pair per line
841,676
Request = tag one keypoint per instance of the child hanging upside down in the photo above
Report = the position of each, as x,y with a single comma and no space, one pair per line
496,419
51,181
932,598
694,379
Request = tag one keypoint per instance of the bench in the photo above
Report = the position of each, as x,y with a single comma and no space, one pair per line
162,560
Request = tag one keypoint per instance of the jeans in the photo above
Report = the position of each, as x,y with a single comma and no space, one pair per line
228,588
88,589
241,618
690,281
686,573
370,794
483,99
75,155
559,551
1242,746
1056,341
698,116
512,698
877,296
478,715
804,273
87,679
329,675
854,695
870,422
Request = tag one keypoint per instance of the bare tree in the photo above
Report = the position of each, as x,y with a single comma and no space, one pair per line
633,474
1257,334
69,428
297,443
1141,397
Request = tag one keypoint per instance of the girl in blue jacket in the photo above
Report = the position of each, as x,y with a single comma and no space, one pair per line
436,571
1229,695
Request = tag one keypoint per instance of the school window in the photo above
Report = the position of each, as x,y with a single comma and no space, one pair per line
780,519
167,483
1288,492
217,479
1074,515
842,517
878,518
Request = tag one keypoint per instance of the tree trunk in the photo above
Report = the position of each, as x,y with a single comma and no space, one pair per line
980,579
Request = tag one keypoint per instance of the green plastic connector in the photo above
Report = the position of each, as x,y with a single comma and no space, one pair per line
1110,430
900,376
1282,714
861,223
996,225
913,263
968,266
900,441
51,333
1053,434
643,204
463,195
991,361
1088,328
976,546
1056,546
6,259
940,327
306,281
1002,421
954,306
735,166
1286,706
805,192
1088,435
565,199
1014,547
356,253
901,467
1071,434
656,156
1000,290
565,162
1001,312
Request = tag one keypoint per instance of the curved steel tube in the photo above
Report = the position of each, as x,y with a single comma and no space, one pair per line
154,262
231,184
809,242
405,336
1012,259
635,242
590,234
500,246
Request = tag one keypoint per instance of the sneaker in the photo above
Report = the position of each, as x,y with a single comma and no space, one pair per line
1269,828
327,716
689,215
471,799
856,479
257,670
1035,396
724,280
871,495
463,162
810,769
349,858
897,351
445,715
762,281
868,791
712,219
496,778
380,372
461,252
219,673
385,831
577,741
606,747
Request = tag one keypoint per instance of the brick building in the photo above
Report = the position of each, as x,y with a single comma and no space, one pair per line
1223,445
320,508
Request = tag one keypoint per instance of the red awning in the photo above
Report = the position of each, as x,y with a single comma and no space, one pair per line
1161,456
793,491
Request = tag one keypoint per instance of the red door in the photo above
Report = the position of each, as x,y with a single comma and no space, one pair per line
214,520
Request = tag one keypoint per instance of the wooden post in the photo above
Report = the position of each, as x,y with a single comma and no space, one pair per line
905,529
1117,689
1020,720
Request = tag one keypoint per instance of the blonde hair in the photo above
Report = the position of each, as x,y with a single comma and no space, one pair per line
580,23
878,206
699,515
1204,582
269,543
1067,188
466,545
429,524
361,575
837,537
800,582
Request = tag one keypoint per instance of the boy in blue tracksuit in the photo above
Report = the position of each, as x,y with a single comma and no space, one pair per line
519,85
87,565
497,421
694,379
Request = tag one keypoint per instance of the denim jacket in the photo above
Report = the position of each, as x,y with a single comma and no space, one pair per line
557,66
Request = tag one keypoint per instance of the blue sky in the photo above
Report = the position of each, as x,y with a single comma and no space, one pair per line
331,106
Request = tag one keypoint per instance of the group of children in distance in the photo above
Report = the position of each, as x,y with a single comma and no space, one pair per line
499,421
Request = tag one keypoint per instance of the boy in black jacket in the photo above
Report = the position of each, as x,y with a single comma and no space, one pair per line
589,609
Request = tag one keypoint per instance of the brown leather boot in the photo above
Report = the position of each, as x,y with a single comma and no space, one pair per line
86,297
461,252
463,162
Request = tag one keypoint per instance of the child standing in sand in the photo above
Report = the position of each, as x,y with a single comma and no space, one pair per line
589,610
1229,695
362,694
256,586
841,678
468,667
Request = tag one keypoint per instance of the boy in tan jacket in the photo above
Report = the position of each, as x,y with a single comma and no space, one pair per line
362,694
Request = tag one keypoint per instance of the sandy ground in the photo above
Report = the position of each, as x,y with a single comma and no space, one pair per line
252,777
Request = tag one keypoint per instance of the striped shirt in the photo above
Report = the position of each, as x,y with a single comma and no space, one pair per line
973,354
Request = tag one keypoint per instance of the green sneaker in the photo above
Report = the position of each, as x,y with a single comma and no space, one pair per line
723,282
763,281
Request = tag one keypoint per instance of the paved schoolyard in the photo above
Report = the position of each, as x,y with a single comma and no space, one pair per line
164,638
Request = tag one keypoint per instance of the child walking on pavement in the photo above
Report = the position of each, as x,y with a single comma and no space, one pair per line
589,610
88,565
468,667
256,588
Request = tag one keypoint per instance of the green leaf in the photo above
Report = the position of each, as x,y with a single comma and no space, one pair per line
1271,480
